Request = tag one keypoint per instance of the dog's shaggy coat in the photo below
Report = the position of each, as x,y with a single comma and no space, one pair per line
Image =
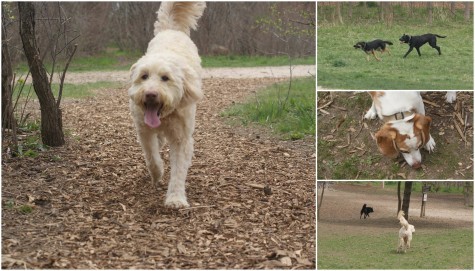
405,233
166,85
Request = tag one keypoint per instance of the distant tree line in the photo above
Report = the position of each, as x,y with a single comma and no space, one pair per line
249,28
387,12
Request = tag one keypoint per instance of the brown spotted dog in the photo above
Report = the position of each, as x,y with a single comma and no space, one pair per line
406,129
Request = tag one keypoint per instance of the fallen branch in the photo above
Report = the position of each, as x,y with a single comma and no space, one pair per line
460,132
431,103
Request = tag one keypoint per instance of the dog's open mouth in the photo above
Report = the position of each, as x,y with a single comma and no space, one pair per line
152,114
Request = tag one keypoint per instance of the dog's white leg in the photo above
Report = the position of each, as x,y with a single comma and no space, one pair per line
430,145
371,114
180,160
151,148
451,96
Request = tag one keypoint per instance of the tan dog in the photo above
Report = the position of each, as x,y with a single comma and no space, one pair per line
166,85
405,233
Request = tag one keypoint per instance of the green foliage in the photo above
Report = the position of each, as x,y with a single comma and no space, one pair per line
25,209
31,145
290,112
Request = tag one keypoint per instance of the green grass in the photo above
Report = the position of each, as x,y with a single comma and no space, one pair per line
70,90
443,249
340,66
253,61
291,114
113,60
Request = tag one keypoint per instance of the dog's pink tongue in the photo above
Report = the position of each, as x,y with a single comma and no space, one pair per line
151,118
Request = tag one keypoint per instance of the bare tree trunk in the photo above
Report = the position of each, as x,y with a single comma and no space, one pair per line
8,120
468,193
466,14
321,200
407,198
429,9
338,12
398,196
51,122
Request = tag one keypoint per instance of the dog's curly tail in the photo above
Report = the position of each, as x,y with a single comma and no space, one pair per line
180,16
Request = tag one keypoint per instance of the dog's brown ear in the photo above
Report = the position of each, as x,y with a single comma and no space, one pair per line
386,140
422,127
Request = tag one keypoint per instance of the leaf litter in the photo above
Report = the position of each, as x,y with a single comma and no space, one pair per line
252,195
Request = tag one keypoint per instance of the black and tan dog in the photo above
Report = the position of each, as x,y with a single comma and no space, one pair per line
375,45
418,41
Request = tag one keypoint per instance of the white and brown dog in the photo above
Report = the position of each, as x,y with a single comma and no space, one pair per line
406,128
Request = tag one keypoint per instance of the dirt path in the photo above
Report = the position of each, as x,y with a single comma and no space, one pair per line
342,204
230,73
94,207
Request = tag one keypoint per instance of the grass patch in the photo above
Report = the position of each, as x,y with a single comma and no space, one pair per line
340,66
443,249
115,60
289,113
69,90
253,61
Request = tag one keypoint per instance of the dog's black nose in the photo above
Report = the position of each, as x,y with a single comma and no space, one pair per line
151,96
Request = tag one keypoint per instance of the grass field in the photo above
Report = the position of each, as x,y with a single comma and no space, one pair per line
289,113
443,249
113,60
340,66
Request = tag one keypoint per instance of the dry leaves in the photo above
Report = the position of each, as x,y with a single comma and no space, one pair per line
95,207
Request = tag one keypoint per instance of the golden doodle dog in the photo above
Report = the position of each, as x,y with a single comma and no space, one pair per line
166,85
405,233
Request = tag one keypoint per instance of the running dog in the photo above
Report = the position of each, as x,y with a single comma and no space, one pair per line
366,210
418,41
405,233
375,45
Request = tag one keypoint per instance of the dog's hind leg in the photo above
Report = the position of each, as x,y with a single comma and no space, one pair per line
378,59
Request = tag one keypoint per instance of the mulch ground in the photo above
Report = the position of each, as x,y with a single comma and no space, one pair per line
93,205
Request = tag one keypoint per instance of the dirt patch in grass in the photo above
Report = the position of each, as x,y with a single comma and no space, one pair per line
93,205
346,150
340,211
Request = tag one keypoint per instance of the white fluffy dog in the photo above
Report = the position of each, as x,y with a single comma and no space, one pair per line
166,85
405,233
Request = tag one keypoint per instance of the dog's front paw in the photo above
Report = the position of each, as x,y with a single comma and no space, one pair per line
430,146
176,201
371,114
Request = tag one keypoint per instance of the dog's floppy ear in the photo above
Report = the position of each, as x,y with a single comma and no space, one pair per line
422,127
192,85
385,138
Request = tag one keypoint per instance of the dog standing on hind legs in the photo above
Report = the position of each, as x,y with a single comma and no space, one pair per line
405,233
166,85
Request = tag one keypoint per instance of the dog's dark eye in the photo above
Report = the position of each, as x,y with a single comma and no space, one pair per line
165,78
144,76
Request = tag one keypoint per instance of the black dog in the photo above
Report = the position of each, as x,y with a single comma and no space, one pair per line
418,41
366,210
375,45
